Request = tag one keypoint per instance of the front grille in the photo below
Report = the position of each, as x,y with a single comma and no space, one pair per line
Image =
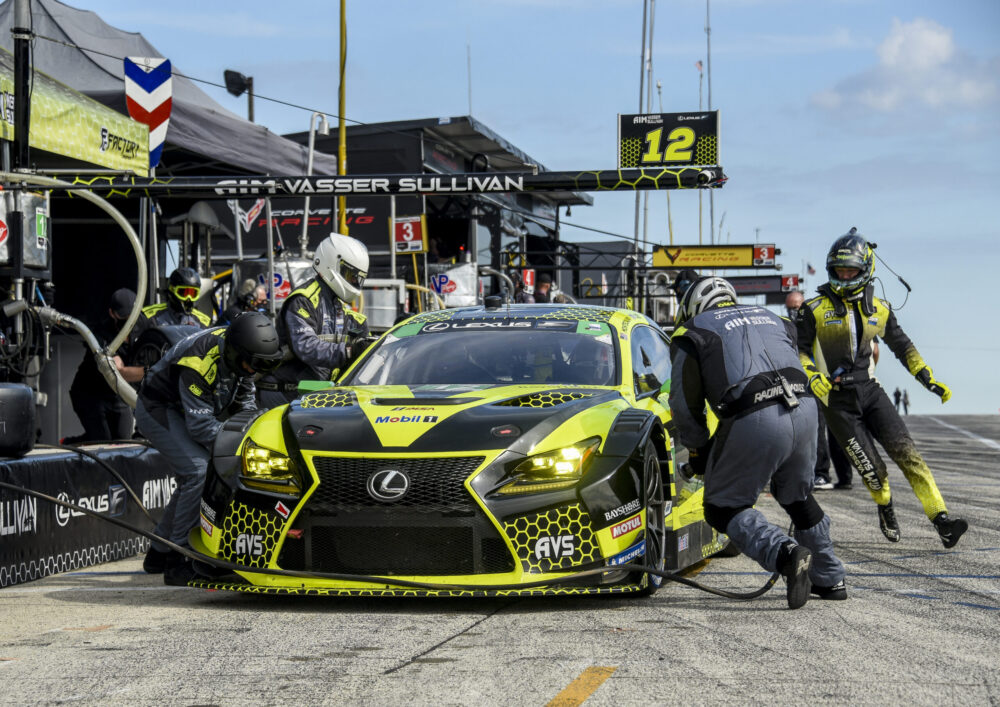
436,528
436,485
394,543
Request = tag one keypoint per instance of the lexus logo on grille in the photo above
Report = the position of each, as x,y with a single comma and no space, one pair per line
388,485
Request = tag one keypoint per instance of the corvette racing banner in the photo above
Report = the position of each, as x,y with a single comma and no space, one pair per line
70,124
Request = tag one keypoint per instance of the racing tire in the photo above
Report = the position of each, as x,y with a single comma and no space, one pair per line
656,527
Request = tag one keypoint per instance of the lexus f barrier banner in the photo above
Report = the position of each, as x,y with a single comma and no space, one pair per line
69,123
39,538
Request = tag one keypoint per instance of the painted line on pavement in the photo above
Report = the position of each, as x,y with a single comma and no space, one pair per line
13,590
987,442
583,687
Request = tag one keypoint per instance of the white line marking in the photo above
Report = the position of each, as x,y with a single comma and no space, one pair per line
13,591
987,442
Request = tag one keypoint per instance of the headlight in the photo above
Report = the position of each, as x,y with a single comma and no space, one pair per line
268,470
549,471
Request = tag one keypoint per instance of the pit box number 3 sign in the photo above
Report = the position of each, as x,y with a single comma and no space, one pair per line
410,234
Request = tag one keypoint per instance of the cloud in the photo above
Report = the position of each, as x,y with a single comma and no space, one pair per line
918,66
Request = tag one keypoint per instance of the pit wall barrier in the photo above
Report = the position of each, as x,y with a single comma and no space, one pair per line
38,538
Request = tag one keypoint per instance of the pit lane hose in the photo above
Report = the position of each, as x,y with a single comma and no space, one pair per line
391,582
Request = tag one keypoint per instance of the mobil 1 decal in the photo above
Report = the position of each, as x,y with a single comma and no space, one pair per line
662,139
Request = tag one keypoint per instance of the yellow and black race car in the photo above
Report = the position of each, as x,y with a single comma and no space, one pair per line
470,452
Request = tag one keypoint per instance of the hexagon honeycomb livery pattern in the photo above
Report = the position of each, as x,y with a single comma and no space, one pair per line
544,400
243,520
707,150
328,399
525,531
67,561
403,592
631,148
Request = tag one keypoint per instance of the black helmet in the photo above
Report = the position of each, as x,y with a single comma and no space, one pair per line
850,251
185,287
252,340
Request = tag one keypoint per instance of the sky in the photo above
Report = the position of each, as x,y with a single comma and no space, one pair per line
833,113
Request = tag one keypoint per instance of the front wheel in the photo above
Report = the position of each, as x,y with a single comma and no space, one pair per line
656,527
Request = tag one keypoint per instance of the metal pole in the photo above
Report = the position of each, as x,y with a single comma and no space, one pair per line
154,271
250,98
701,81
649,109
342,130
21,31
708,39
642,77
392,238
238,230
270,256
324,128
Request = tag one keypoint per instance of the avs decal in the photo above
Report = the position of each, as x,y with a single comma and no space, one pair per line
633,552
405,418
626,526
555,546
624,510
247,544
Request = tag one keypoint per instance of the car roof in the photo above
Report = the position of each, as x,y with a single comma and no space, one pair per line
586,312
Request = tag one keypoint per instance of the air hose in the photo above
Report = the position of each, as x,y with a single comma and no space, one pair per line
233,567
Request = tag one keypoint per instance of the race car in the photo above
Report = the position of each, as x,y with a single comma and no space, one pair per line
469,452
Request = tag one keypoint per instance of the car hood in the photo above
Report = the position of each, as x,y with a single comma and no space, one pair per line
436,418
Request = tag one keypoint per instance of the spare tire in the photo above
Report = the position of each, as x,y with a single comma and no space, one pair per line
155,342
17,419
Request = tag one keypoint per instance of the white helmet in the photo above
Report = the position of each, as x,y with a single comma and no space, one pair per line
704,293
342,263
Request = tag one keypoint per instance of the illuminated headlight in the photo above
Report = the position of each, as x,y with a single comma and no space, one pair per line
268,470
549,471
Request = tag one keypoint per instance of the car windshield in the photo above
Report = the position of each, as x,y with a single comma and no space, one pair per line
501,352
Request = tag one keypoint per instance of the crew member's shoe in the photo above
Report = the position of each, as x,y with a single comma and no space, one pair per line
822,483
157,562
793,563
887,522
180,574
847,486
837,592
950,529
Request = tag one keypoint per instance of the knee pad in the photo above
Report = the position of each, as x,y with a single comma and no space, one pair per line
805,514
718,517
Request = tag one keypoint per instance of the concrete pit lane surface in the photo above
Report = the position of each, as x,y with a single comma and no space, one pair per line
920,626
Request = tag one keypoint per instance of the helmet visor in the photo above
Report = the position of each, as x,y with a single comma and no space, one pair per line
353,276
263,364
187,294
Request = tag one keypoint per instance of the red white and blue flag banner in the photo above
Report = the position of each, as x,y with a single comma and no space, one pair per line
148,95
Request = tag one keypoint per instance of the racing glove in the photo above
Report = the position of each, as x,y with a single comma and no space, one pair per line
698,459
926,377
820,385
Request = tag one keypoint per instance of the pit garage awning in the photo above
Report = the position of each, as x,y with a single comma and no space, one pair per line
68,123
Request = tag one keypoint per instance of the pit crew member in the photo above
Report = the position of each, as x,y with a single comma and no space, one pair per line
183,290
203,380
316,323
835,334
742,360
